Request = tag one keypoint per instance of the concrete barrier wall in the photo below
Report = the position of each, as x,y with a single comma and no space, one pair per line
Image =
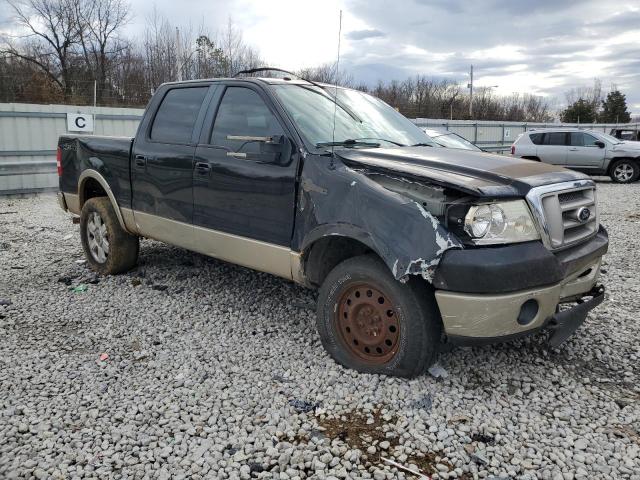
29,136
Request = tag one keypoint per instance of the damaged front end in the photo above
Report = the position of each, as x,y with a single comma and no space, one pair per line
401,220
488,287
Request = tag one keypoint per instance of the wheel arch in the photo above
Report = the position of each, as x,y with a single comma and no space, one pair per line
326,247
612,162
90,184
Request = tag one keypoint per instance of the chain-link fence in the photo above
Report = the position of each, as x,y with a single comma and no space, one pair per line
16,89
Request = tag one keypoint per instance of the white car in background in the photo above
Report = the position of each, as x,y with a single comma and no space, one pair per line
450,140
590,152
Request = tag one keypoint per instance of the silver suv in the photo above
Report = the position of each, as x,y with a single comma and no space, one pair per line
590,152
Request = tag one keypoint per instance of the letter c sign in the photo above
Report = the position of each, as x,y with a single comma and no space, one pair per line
79,122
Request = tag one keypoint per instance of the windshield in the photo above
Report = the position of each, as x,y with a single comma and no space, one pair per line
451,140
358,116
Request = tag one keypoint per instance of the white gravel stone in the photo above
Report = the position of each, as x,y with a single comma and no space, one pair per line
581,444
199,376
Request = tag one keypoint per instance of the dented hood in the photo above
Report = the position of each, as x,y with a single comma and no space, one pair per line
481,174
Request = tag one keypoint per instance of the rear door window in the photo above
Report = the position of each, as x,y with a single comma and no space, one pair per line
177,115
242,112
555,138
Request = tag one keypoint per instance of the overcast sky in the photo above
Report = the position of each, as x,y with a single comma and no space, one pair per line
542,46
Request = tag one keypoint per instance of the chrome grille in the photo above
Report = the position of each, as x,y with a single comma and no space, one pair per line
570,196
561,212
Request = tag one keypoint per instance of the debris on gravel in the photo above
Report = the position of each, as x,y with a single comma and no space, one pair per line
189,367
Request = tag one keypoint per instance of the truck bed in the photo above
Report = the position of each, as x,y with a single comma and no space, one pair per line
110,156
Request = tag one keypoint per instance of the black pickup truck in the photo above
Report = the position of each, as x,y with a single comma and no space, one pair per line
410,245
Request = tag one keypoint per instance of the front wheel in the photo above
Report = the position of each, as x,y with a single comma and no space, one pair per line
108,247
370,322
624,171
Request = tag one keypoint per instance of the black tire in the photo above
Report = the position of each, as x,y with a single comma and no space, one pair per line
625,170
123,247
414,308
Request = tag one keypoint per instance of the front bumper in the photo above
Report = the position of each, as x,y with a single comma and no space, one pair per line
502,313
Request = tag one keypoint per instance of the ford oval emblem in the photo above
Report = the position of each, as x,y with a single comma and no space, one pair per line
584,214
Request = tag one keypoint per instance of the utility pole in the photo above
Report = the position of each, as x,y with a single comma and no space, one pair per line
470,87
178,55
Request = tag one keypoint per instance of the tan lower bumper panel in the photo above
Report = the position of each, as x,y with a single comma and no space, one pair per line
506,315
562,324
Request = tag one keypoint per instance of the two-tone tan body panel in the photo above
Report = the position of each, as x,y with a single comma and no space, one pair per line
262,256
265,257
495,315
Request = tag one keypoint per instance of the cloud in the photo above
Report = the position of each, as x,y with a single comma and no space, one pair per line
364,34
544,47
6,17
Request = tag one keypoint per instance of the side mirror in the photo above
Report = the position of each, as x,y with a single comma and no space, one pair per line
273,149
274,145
278,150
599,144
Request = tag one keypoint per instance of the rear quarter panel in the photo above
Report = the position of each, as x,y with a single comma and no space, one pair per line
109,156
524,146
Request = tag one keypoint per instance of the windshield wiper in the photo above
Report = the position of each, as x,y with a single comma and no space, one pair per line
382,139
350,142
422,145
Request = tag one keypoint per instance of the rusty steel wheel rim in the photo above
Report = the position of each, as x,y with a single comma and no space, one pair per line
368,324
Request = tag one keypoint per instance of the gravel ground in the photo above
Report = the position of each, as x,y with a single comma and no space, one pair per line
189,367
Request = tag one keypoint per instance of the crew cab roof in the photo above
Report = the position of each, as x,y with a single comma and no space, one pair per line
267,80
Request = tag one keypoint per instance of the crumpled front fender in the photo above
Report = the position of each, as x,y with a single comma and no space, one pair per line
337,200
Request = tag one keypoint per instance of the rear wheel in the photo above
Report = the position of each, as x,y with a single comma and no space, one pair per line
108,247
624,171
370,322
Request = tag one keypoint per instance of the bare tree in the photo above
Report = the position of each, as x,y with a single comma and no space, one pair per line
52,31
70,41
239,55
100,22
326,73
442,98
591,95
160,50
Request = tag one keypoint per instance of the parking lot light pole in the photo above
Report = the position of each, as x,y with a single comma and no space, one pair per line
470,87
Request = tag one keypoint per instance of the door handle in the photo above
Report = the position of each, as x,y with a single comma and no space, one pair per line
203,168
141,161
573,149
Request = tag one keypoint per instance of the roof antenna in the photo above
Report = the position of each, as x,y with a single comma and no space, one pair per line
335,97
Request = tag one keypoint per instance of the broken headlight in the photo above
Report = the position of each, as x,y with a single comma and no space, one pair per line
505,222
